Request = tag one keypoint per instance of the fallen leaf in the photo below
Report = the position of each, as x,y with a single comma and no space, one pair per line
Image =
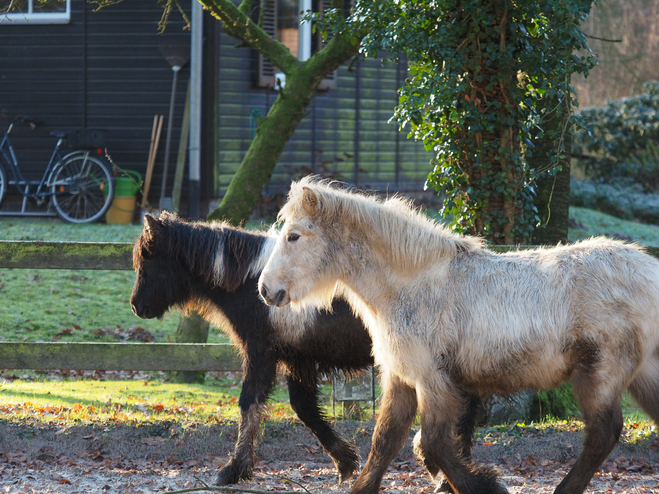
153,441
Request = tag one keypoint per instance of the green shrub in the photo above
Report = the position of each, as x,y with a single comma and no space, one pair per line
558,402
628,203
620,142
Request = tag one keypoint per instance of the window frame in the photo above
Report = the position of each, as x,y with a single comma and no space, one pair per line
40,18
266,71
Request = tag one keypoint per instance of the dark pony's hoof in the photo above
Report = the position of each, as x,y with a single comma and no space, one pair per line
444,486
232,474
486,484
348,463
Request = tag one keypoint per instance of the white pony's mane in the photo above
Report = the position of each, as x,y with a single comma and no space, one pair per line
408,236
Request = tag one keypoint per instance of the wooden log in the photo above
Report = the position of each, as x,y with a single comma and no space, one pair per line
120,356
66,255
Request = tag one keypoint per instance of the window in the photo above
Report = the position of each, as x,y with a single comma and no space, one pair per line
281,19
295,36
35,12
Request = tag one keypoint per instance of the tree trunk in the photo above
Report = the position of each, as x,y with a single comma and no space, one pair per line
276,128
272,134
191,329
553,191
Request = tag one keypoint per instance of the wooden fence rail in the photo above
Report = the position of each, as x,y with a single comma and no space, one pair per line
120,356
101,356
110,356
66,255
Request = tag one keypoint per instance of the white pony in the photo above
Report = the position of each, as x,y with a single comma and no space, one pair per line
448,317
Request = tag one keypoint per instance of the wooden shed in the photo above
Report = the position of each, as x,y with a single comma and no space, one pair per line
83,68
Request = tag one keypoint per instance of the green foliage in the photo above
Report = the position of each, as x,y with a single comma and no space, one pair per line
619,142
478,71
629,203
558,402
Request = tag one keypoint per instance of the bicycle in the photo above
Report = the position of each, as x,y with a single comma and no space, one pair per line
80,186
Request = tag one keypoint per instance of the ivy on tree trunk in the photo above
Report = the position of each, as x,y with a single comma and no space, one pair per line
553,189
481,73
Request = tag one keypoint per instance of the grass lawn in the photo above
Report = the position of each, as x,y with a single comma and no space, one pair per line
136,401
73,305
590,223
61,305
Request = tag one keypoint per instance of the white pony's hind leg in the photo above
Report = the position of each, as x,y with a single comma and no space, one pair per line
645,386
599,400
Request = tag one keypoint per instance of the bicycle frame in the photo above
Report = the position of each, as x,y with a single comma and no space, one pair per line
24,185
19,179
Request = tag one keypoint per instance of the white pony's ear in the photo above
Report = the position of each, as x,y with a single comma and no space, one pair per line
310,202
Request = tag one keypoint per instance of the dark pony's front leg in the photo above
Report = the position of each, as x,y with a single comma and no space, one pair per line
436,446
303,392
391,431
260,372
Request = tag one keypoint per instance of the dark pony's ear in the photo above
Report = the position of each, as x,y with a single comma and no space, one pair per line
310,202
151,224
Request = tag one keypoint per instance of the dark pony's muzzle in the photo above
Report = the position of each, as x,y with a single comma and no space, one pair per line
141,310
277,299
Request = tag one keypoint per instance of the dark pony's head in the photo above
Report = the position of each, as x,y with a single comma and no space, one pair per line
177,263
161,280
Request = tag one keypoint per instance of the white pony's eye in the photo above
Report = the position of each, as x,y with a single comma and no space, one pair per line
292,237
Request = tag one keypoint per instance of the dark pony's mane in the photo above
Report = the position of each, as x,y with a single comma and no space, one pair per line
221,254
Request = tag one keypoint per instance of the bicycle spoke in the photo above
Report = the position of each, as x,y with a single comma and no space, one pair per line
82,188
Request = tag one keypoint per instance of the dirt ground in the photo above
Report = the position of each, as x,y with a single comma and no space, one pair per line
163,457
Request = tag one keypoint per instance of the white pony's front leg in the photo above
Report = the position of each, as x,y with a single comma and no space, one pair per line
440,406
391,431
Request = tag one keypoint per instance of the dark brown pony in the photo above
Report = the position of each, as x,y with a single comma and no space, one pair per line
213,269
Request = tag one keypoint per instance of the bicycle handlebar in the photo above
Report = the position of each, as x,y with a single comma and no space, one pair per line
20,118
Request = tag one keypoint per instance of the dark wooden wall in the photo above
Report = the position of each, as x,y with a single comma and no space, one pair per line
103,70
346,129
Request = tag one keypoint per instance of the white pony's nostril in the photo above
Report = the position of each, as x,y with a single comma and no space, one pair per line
281,294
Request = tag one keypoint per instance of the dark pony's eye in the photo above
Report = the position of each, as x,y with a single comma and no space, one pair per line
292,237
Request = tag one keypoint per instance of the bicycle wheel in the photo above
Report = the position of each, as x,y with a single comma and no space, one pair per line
83,188
3,182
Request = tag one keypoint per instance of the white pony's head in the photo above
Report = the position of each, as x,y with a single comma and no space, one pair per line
331,235
305,266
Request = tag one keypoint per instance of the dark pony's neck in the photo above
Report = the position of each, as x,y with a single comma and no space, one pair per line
217,252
